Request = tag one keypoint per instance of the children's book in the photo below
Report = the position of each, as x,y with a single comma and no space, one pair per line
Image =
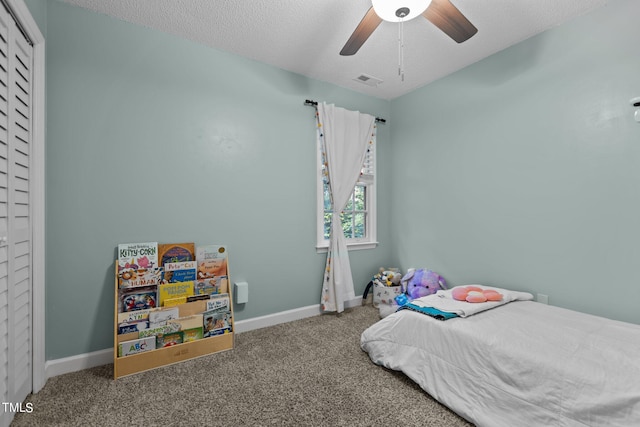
205,286
176,252
218,302
173,302
183,271
132,326
136,277
139,345
160,330
212,285
160,317
193,334
212,261
197,297
137,255
133,299
188,322
130,316
191,327
216,323
167,340
174,290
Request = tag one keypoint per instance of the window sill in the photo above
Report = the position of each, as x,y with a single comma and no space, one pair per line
355,246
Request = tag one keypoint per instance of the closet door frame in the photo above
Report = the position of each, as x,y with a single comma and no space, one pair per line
22,15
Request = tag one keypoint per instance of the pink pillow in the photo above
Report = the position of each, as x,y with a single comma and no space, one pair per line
475,294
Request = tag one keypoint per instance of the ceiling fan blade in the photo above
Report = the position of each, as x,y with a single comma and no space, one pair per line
362,32
444,15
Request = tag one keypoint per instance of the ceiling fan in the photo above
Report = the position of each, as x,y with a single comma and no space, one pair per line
442,13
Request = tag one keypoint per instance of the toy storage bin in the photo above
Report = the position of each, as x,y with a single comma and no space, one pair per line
385,294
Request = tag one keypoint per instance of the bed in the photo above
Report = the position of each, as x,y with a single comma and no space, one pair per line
521,363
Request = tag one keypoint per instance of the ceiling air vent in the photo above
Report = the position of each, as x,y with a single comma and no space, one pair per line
368,80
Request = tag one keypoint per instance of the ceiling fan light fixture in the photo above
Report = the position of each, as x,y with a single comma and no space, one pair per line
396,10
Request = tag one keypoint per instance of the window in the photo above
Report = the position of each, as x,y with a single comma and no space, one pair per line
358,217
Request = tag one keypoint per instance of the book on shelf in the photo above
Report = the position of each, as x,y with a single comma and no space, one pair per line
176,252
161,316
192,334
198,297
211,285
173,302
160,330
130,316
183,271
132,326
132,278
167,340
188,322
205,286
191,326
174,290
217,315
216,322
212,261
137,255
136,346
218,302
133,299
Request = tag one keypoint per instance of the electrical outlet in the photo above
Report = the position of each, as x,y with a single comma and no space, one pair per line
242,292
542,298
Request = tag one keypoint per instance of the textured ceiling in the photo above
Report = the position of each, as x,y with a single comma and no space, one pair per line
305,36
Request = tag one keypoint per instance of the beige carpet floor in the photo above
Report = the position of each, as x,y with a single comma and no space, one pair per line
309,372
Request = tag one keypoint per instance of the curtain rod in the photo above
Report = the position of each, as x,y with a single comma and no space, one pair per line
315,104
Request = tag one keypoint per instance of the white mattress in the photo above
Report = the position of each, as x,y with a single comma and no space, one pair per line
520,364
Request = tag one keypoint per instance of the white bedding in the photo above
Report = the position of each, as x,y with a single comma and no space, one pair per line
443,300
520,364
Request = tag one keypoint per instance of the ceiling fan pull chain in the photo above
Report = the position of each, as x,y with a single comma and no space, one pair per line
402,52
401,49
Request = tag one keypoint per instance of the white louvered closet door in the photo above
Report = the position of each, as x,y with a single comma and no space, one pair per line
15,220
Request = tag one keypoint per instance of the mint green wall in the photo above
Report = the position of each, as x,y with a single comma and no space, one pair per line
38,10
522,170
519,171
151,137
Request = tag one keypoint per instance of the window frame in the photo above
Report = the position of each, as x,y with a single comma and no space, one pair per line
367,179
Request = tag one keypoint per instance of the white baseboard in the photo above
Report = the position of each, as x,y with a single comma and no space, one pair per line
275,319
104,357
79,362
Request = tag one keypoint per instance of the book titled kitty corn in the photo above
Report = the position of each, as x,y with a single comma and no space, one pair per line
138,255
138,264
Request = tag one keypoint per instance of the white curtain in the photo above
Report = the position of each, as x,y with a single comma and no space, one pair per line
345,136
